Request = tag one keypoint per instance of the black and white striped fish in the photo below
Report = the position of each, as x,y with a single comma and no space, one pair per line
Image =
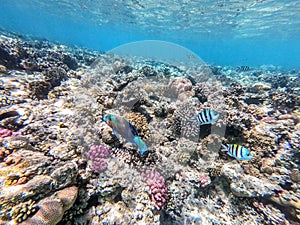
207,116
237,151
242,68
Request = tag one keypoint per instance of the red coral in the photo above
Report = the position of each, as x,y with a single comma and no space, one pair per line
158,188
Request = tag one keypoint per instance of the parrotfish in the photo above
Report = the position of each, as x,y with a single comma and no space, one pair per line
237,151
127,130
207,116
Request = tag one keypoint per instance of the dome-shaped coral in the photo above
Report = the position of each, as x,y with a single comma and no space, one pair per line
98,154
158,188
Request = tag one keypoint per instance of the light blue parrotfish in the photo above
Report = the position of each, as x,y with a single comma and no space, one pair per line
123,127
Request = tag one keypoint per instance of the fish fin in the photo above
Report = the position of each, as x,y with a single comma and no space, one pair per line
247,158
228,153
115,134
141,144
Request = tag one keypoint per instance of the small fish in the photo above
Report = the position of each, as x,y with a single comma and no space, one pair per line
207,116
243,68
123,127
237,151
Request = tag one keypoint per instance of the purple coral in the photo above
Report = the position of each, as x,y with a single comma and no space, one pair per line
158,188
99,165
98,154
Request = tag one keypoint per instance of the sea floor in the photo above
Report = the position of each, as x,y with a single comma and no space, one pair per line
60,163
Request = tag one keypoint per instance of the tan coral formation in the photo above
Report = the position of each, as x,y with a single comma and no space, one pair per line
51,209
140,123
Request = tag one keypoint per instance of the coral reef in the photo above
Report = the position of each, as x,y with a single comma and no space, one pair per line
180,88
61,164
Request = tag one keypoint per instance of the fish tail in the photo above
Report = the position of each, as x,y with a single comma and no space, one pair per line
224,147
141,144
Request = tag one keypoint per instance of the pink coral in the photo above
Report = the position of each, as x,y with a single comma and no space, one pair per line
7,133
204,181
98,151
99,165
269,119
158,188
98,154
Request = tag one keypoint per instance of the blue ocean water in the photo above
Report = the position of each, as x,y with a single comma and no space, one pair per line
222,32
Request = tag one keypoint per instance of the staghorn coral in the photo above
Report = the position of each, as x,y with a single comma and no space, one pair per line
123,154
158,188
140,123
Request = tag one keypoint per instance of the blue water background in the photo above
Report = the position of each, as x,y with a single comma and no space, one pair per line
260,33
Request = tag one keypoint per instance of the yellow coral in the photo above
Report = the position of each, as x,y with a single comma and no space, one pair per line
140,123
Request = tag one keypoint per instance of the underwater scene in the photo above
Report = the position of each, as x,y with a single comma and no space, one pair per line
143,112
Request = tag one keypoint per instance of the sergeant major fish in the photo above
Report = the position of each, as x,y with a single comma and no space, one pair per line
123,127
207,116
237,151
243,68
